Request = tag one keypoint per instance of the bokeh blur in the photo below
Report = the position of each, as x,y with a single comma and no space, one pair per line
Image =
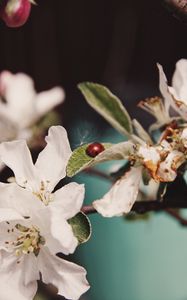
116,43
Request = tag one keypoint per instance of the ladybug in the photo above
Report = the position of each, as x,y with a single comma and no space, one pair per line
94,149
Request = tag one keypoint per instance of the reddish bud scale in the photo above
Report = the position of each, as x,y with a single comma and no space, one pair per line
17,15
94,149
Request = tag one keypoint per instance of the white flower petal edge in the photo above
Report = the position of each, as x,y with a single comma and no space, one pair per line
18,90
14,197
70,198
50,165
67,276
122,195
17,282
164,89
47,100
17,157
179,80
22,100
52,161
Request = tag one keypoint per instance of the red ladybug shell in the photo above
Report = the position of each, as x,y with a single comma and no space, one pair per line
94,149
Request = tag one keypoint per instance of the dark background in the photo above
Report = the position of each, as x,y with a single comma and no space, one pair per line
116,43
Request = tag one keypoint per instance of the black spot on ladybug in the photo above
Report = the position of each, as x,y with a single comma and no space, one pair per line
94,149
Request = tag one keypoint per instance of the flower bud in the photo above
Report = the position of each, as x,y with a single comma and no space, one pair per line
15,12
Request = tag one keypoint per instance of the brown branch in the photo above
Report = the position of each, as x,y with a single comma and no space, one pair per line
142,207
177,216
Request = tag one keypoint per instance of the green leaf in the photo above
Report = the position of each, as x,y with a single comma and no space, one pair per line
79,160
81,227
107,105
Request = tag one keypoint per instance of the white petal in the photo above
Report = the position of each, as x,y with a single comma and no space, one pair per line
52,161
149,154
19,93
8,129
63,233
69,278
70,199
8,214
163,86
56,230
18,280
46,101
122,195
14,197
179,80
16,156
148,192
30,269
9,290
66,204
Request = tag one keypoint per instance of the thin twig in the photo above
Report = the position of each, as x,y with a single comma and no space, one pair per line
177,216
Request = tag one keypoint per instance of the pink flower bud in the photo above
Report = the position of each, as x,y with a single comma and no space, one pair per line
15,12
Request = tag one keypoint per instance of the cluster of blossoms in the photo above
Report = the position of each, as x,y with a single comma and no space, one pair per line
34,224
158,161
35,220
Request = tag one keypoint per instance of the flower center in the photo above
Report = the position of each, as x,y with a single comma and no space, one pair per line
43,194
28,240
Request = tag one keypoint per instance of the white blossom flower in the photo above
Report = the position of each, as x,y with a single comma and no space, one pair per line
30,236
161,165
21,106
174,97
157,108
30,205
40,178
161,161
